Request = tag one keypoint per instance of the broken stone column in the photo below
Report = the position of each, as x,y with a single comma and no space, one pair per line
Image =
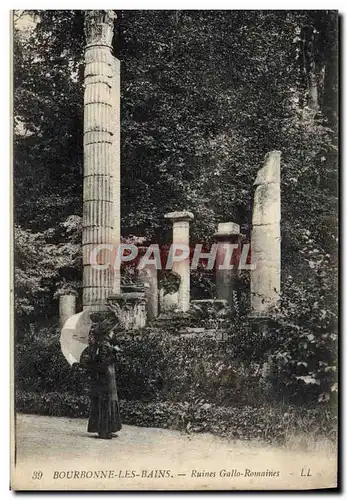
265,238
181,236
67,307
148,278
228,239
101,214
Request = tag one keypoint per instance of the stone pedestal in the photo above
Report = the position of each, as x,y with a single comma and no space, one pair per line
148,278
67,308
181,236
265,238
228,240
101,196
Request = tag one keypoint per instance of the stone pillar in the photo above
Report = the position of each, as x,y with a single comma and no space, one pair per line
148,277
227,236
265,238
101,156
67,308
181,236
116,168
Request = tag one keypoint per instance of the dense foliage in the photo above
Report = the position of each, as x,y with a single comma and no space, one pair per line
275,424
204,95
215,359
192,383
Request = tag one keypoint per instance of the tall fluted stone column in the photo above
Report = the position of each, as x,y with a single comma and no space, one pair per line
227,261
265,238
181,236
101,214
116,167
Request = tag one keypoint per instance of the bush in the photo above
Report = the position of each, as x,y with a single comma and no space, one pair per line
305,328
153,365
270,423
53,404
207,355
41,366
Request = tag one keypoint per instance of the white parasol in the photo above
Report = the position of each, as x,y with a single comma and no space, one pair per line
74,336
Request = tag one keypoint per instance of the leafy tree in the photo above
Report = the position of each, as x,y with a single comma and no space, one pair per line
48,135
45,264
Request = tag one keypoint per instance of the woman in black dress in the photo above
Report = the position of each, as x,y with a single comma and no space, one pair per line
100,359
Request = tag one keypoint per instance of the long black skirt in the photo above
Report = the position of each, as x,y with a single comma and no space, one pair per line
105,415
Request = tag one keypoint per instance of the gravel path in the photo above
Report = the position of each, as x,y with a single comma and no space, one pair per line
57,453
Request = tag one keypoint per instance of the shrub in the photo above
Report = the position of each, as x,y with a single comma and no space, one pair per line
41,367
152,365
305,328
211,356
270,423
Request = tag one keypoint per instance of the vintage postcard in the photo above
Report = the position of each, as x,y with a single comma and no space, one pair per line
175,250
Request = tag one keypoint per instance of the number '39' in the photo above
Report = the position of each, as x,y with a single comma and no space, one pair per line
37,474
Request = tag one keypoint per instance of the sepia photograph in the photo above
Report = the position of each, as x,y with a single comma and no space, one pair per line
174,180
